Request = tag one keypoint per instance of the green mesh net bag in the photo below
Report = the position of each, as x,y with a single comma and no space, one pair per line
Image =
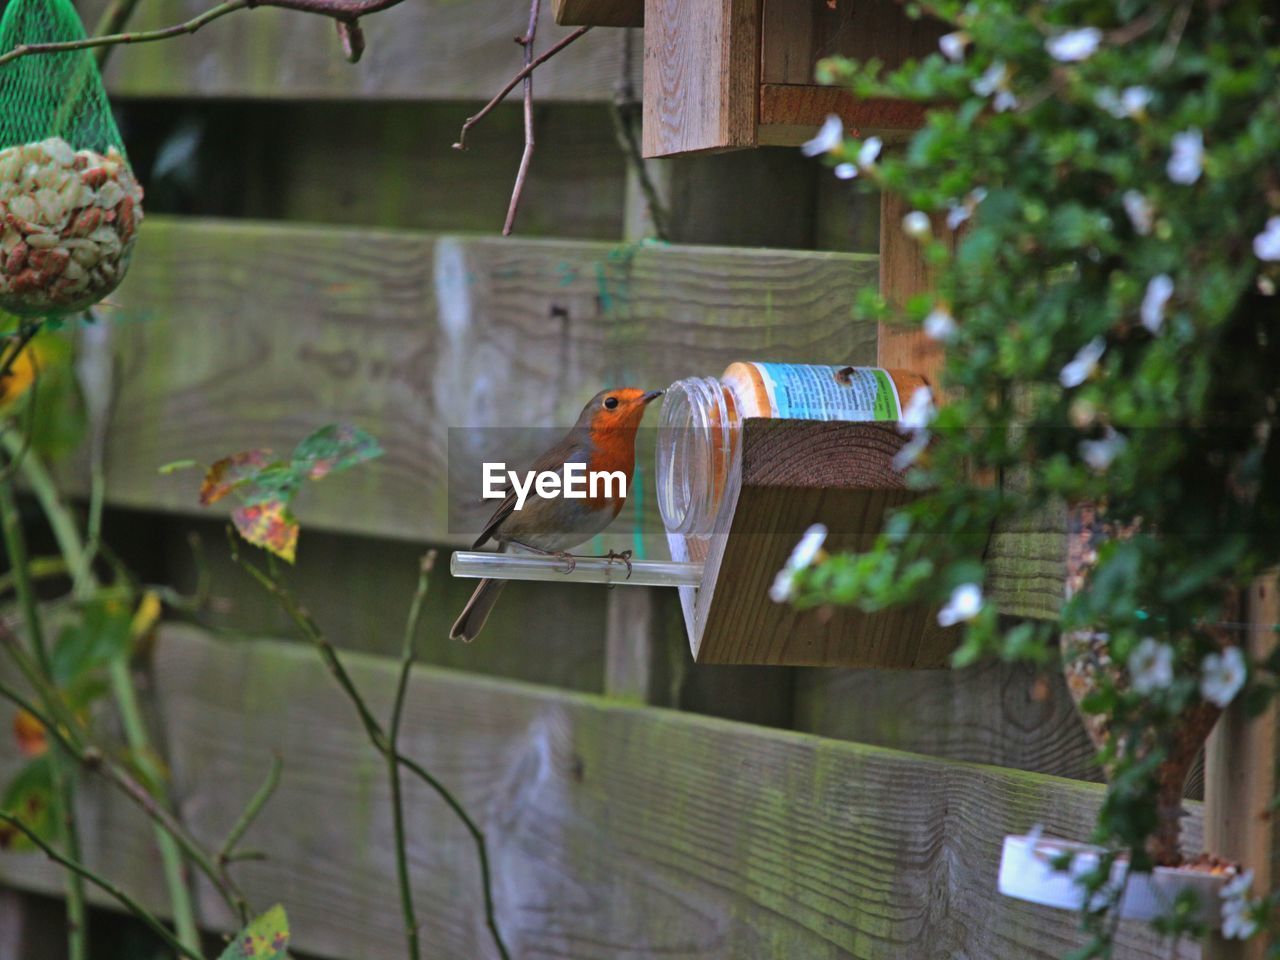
69,203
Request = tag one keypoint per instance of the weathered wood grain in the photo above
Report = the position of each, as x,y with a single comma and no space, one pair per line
615,831
701,71
1026,564
1003,714
236,335
601,13
788,476
419,50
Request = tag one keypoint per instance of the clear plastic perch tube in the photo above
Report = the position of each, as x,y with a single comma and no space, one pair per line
525,566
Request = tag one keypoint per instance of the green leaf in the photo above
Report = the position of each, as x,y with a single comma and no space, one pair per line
101,635
333,448
29,797
266,938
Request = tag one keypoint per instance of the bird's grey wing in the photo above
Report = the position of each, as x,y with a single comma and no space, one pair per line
574,447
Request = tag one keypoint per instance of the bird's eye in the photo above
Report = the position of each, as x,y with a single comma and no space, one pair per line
610,402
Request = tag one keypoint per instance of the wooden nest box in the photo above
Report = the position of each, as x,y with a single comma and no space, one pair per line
728,74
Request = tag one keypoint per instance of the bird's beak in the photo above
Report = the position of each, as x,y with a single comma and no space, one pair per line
651,396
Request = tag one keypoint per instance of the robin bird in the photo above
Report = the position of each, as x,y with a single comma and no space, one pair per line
604,439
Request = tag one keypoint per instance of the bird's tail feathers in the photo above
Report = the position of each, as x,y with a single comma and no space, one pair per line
471,620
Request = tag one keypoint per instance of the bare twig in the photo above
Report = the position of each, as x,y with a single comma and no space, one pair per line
526,41
377,737
126,901
511,85
393,765
345,11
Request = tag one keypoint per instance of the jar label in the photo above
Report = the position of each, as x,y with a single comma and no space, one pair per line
806,392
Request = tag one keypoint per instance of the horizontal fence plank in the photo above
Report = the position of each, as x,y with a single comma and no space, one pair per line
614,830
419,50
999,713
234,335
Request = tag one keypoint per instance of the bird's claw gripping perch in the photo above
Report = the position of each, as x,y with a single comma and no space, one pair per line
570,561
624,556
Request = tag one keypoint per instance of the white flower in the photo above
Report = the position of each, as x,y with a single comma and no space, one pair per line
957,213
939,324
1237,887
1083,363
1151,666
1099,454
965,602
911,450
846,171
1237,919
1074,45
1140,210
869,151
1159,290
1222,675
1266,245
1004,101
952,45
1135,100
916,224
919,412
828,138
994,78
1128,103
802,556
1186,162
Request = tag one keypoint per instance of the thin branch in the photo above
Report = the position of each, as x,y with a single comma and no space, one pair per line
346,11
477,835
83,872
526,41
393,766
311,630
377,737
227,854
141,36
511,85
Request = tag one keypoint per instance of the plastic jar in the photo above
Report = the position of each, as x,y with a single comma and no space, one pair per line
701,416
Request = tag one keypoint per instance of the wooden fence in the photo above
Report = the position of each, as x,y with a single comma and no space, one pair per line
621,828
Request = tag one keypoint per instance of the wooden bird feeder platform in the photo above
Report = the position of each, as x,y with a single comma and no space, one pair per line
729,74
791,474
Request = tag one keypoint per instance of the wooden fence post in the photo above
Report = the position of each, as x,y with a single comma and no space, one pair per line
1240,776
904,273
